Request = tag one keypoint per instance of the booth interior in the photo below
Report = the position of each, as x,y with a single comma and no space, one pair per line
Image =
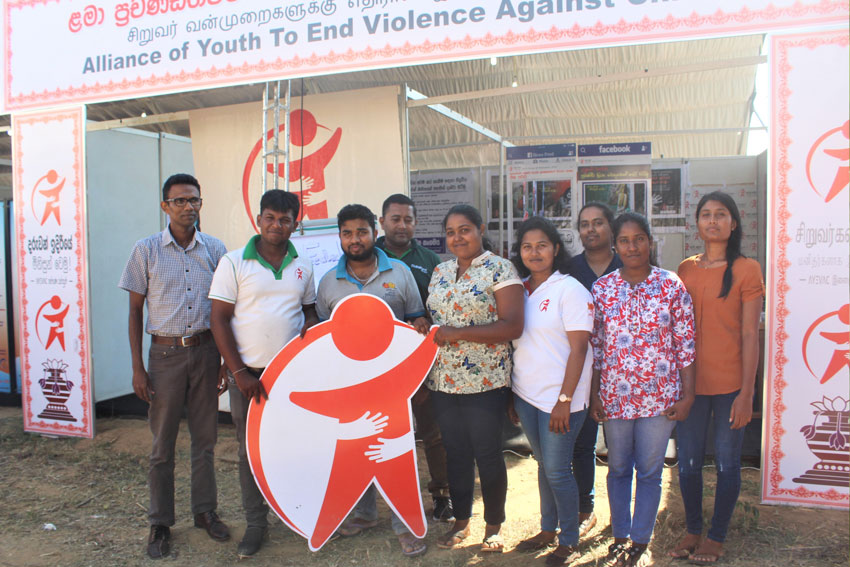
513,135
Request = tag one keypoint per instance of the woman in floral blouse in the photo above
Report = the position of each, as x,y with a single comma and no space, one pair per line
476,299
643,381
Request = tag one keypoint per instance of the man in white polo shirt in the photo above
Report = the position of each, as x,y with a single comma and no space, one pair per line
262,296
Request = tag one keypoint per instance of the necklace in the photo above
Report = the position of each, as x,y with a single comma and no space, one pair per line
358,278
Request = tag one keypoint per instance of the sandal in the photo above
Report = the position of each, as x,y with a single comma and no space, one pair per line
563,555
452,538
635,555
493,543
536,543
615,551
685,548
411,546
355,526
707,553
586,525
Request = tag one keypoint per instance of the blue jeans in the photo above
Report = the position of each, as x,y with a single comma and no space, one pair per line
471,426
635,445
584,464
691,433
554,453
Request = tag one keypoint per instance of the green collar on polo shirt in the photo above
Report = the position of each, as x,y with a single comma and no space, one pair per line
251,253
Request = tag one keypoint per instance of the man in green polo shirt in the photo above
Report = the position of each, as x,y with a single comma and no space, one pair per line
263,295
398,221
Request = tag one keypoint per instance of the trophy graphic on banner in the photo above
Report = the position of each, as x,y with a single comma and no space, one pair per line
57,389
828,441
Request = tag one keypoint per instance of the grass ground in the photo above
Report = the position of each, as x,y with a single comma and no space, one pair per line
94,493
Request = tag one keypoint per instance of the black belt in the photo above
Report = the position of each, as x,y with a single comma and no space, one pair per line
184,341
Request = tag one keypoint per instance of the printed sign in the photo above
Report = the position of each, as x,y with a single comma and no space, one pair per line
806,456
618,175
345,389
49,198
115,49
434,193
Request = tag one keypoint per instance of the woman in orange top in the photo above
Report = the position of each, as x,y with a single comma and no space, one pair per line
727,291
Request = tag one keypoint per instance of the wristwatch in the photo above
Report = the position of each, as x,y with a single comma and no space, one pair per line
563,398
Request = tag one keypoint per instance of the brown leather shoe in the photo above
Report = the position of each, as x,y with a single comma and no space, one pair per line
213,524
159,542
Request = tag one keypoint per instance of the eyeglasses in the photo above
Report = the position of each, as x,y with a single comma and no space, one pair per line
181,201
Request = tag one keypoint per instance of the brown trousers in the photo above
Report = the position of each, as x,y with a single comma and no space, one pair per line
182,377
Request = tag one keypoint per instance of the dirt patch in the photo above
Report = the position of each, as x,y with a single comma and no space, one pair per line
94,493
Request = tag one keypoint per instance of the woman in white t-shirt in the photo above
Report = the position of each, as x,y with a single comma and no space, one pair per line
551,380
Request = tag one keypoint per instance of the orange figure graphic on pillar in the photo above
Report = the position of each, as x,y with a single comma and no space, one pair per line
825,145
50,196
56,320
841,354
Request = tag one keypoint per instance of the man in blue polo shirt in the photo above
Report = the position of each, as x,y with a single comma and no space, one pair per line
262,296
398,221
364,268
597,259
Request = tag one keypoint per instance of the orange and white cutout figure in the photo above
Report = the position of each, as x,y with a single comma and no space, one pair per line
338,419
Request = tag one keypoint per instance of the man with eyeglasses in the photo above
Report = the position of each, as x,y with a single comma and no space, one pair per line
171,271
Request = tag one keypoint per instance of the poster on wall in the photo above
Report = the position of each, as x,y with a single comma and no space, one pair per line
434,193
618,175
542,179
344,148
806,454
668,199
50,213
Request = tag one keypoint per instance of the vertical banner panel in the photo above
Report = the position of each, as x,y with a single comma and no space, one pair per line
807,434
50,219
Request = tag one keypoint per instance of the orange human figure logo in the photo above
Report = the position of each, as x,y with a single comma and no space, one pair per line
56,320
842,153
372,442
50,196
841,354
307,173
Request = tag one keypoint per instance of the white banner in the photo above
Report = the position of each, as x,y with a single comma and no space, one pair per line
50,216
350,152
806,456
96,50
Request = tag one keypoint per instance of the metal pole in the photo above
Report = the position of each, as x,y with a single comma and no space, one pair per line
275,158
263,135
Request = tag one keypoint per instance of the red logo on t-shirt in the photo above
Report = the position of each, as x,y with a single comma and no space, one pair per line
299,273
544,305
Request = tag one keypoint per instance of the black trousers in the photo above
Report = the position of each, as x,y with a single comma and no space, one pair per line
471,427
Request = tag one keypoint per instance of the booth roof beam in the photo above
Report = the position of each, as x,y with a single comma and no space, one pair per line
415,96
576,135
586,81
137,121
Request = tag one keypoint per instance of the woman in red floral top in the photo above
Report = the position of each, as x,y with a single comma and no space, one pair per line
643,381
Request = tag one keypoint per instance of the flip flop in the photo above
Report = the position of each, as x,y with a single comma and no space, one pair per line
452,538
493,543
535,544
411,546
709,557
682,551
354,526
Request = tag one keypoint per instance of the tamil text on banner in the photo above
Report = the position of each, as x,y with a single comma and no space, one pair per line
806,456
346,389
345,148
115,49
50,216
